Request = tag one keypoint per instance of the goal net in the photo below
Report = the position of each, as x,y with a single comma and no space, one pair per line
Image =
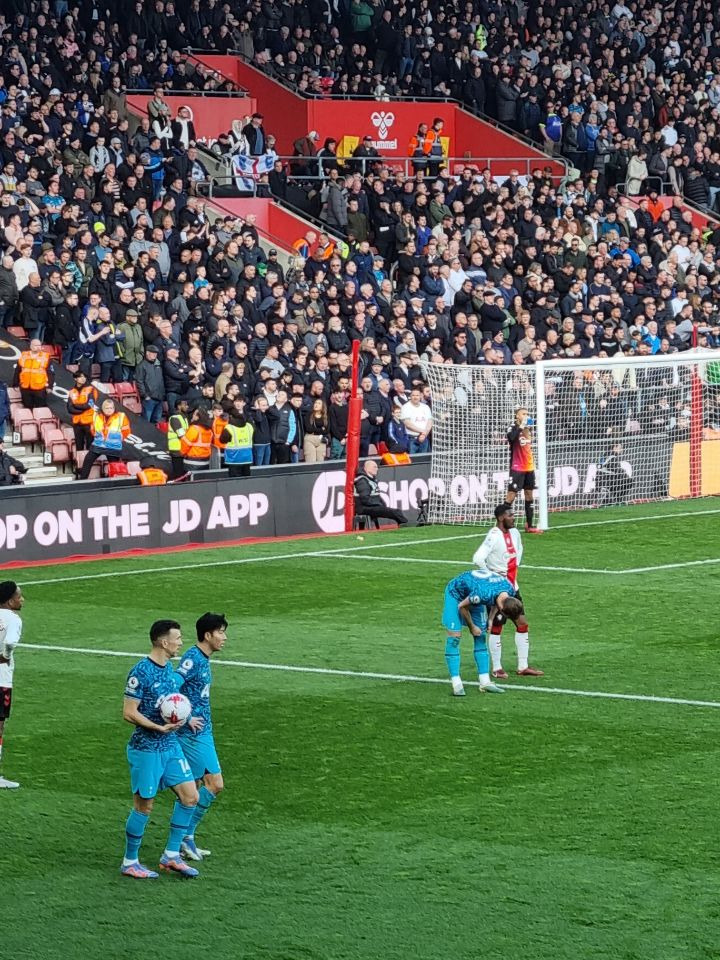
603,432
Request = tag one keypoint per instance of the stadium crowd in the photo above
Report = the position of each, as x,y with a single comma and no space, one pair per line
110,254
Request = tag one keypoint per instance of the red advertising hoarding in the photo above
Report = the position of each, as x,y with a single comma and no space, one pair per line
211,115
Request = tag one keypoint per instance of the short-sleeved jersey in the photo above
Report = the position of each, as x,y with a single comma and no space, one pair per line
10,636
194,678
521,453
500,553
479,587
149,683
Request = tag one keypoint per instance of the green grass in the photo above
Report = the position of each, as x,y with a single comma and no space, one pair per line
370,819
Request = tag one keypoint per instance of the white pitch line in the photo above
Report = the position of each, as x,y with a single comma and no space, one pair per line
397,677
341,550
468,563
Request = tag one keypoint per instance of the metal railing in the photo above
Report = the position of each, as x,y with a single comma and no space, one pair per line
460,104
312,169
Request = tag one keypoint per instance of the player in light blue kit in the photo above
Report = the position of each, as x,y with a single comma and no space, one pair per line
155,756
194,678
469,599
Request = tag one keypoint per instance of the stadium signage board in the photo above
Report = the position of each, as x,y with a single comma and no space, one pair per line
84,519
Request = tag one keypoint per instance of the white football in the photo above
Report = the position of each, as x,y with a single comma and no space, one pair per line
175,708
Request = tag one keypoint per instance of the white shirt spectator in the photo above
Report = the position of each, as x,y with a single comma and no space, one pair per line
22,268
417,418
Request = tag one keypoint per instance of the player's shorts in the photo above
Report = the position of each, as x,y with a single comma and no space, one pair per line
452,618
522,480
152,771
5,702
201,754
500,618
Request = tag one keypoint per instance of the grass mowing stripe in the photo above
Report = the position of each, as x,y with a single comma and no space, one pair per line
398,677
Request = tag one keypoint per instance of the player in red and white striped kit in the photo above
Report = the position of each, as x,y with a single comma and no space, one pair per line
501,552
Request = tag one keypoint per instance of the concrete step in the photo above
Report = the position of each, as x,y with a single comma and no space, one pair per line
31,481
39,470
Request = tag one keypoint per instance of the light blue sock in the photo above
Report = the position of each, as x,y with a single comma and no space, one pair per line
482,657
134,831
452,656
204,803
179,823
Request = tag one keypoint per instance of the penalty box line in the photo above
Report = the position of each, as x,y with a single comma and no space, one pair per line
396,677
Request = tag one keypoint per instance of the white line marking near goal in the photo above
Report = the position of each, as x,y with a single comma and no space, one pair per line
397,677
341,550
468,563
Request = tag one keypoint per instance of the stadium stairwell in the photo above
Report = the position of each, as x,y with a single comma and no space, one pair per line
390,123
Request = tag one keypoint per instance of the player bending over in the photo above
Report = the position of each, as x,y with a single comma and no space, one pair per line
468,598
197,742
155,756
522,466
500,553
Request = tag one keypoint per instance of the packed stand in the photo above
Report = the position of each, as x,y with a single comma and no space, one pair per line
111,261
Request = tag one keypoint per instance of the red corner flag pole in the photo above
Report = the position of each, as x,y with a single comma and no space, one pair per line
352,449
696,426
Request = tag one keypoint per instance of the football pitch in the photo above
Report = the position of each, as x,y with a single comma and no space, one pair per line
368,815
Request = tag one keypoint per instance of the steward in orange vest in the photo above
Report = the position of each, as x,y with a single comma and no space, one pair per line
419,148
82,402
33,374
196,443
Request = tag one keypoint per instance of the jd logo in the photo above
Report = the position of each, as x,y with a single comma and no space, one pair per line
383,121
328,501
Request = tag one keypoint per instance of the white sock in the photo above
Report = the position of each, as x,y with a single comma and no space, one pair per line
172,854
129,863
495,644
522,643
456,683
484,679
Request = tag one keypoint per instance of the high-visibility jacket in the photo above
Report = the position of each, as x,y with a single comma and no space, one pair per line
419,146
33,370
83,398
435,142
177,428
152,477
109,432
218,427
195,445
239,448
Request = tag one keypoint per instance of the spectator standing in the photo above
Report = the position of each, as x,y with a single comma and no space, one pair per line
132,344
151,384
4,407
283,429
316,431
8,292
417,418
262,436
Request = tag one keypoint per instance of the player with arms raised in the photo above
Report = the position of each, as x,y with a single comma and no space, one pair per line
196,740
522,466
468,598
154,754
500,553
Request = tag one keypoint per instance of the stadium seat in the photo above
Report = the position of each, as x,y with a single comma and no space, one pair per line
57,446
18,332
20,414
44,415
46,430
68,432
133,467
118,470
95,472
361,521
125,389
55,352
14,395
131,403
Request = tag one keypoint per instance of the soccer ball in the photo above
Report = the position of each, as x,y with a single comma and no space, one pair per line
175,708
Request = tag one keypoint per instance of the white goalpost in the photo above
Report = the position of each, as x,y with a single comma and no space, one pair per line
604,432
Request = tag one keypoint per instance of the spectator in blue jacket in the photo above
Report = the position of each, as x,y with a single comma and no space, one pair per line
398,440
